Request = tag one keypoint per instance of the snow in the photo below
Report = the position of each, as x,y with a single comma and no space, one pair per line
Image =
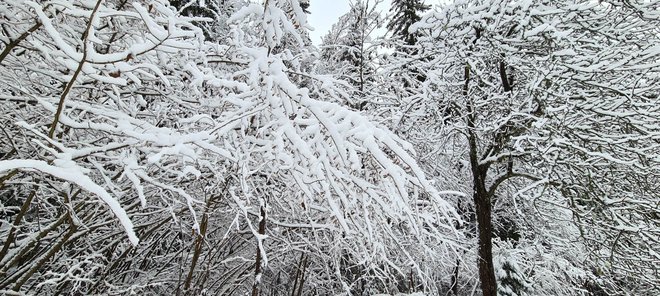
72,173
402,294
258,120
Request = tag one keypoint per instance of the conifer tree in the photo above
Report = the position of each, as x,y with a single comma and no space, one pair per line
405,13
349,50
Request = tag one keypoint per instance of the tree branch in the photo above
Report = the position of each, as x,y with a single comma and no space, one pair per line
69,85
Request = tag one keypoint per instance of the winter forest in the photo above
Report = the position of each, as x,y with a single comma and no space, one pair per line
208,147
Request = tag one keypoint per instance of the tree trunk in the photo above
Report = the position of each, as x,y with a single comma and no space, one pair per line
483,211
258,262
481,199
484,226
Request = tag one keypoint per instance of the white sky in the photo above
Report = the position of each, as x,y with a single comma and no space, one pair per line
324,13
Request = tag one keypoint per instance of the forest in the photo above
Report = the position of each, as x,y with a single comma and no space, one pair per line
208,147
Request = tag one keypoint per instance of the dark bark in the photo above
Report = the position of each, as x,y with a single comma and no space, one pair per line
454,278
17,222
504,77
481,199
199,244
302,276
483,209
258,262
18,40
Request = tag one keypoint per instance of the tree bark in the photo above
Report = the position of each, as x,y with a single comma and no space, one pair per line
481,199
258,262
483,211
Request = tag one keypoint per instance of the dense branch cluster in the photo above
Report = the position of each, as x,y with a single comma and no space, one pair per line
208,148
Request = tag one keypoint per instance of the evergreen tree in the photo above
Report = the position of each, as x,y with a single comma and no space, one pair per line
350,52
210,15
404,63
404,14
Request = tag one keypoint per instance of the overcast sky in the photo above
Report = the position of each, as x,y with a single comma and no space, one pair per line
324,13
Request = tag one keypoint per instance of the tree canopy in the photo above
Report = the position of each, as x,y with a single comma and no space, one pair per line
208,148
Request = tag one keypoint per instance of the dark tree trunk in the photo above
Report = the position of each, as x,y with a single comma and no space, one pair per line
483,211
256,289
481,198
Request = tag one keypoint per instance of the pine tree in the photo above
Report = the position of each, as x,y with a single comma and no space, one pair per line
211,14
405,13
406,59
349,51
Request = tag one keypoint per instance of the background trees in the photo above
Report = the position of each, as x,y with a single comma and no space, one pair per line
510,74
184,147
224,173
350,52
404,14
